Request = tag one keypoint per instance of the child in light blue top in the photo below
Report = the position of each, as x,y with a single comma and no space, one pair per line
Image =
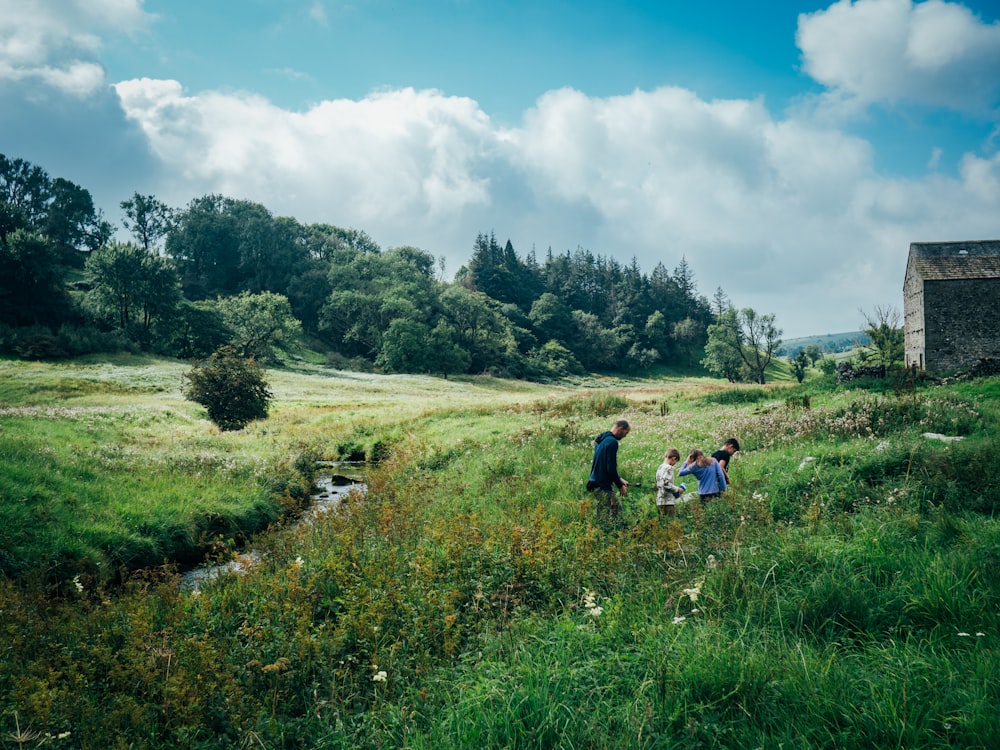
711,480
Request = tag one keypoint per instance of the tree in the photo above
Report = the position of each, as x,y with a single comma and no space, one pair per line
722,351
551,319
72,223
799,364
445,354
887,338
25,192
259,322
193,331
593,345
132,285
31,280
147,219
688,333
404,347
814,353
231,388
720,302
760,339
743,336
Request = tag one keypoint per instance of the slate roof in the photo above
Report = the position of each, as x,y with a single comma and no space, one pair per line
935,261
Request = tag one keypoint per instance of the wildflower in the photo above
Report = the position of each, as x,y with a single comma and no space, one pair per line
678,620
380,676
980,635
595,611
711,562
299,561
963,635
76,582
589,599
692,593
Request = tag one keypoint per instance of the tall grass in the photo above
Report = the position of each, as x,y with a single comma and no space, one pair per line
469,598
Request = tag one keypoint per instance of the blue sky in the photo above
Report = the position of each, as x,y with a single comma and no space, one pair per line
790,151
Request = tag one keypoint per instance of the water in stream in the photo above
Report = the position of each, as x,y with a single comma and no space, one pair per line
329,488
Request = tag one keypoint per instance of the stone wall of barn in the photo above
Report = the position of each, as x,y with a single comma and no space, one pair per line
913,318
961,323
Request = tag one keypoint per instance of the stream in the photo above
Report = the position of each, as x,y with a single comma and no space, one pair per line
335,480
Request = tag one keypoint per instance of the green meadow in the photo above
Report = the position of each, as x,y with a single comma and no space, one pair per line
844,593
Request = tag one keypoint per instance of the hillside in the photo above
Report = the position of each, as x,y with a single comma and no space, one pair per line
828,343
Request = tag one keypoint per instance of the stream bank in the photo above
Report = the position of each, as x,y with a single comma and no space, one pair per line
335,480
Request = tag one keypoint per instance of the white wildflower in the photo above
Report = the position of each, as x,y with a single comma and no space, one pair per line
980,635
692,593
76,582
678,620
711,562
380,676
595,611
299,561
882,446
963,635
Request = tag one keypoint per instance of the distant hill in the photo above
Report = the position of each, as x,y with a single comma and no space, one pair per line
829,343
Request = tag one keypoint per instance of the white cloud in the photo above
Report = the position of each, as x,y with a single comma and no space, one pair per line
57,42
932,53
394,157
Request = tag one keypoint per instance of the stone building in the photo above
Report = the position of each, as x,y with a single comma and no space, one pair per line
951,304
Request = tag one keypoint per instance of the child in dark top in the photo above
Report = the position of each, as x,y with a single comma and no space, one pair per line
711,479
725,453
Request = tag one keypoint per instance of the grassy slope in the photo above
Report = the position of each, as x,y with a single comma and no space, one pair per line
844,592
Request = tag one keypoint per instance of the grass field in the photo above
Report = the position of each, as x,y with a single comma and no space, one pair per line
844,591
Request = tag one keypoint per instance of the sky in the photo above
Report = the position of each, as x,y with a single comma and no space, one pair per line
789,151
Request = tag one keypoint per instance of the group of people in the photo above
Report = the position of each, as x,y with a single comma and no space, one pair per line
712,473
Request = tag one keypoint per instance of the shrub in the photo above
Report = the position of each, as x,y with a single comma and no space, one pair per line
232,389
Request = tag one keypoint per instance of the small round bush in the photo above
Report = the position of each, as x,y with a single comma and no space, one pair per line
231,388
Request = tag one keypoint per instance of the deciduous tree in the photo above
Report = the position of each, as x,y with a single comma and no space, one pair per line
887,339
259,323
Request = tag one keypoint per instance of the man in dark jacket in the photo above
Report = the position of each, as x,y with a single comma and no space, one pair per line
604,475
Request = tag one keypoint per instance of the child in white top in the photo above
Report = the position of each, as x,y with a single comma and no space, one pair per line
666,492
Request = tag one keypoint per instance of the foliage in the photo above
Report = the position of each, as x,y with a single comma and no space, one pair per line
232,389
147,218
132,286
741,345
722,352
887,341
799,364
259,324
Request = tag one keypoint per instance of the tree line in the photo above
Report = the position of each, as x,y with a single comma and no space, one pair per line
227,272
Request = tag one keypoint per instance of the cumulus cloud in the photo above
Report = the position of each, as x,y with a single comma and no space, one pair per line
895,51
394,156
57,42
